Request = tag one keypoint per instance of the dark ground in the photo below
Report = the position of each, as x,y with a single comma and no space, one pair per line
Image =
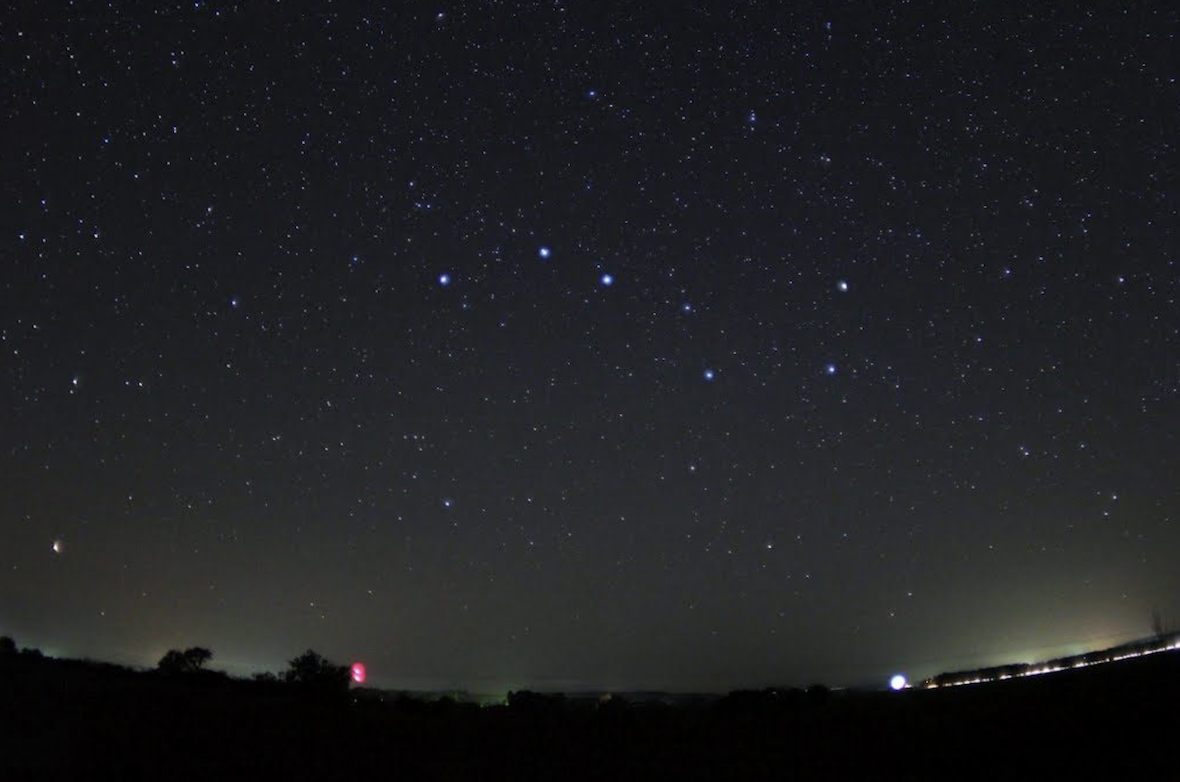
76,720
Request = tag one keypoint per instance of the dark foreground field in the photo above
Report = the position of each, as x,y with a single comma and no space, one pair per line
71,720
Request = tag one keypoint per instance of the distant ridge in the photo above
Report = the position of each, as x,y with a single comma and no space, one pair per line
1132,649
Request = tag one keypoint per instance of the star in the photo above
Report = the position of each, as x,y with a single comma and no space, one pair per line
543,253
607,280
830,369
710,375
444,279
842,286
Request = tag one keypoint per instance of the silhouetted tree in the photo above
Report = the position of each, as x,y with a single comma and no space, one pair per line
197,656
190,660
315,673
7,646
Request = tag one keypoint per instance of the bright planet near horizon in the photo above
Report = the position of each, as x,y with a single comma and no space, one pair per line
898,682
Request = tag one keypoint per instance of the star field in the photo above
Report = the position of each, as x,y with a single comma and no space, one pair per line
587,344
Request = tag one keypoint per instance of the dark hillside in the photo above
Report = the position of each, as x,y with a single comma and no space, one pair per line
73,720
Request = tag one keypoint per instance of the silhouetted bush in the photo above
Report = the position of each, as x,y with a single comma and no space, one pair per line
313,673
7,646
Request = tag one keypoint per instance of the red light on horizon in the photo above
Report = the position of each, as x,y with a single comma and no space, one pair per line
358,673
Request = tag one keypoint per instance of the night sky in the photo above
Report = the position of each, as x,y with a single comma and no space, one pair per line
589,345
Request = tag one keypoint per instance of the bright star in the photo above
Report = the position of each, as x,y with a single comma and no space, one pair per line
607,280
544,253
830,369
710,375
444,279
842,286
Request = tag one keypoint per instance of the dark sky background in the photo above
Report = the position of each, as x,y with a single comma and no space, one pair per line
582,344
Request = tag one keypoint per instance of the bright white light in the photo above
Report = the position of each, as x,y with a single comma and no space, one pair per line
710,375
608,280
898,682
544,253
444,279
58,546
842,286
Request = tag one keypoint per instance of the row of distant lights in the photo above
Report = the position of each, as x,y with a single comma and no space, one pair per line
898,682
607,280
